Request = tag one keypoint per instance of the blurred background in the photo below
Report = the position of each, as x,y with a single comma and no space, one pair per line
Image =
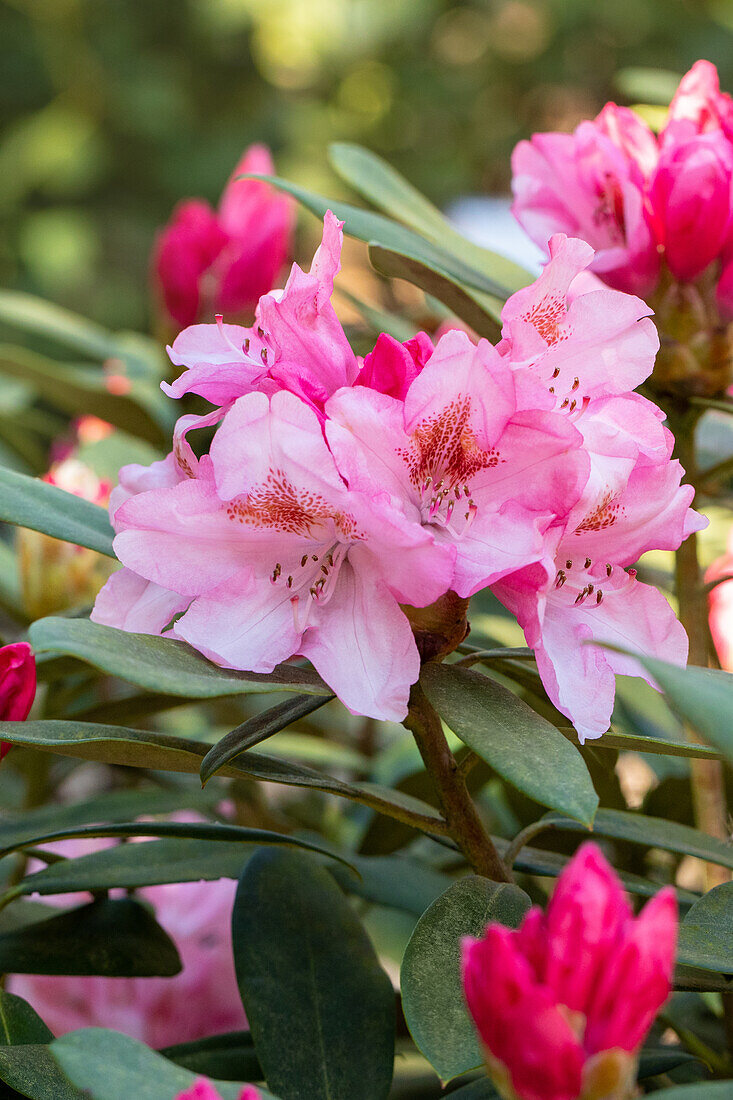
110,113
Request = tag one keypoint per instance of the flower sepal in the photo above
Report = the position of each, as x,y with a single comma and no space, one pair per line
439,628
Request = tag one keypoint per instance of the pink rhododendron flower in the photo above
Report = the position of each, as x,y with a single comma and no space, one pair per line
208,261
275,556
204,1090
642,202
721,606
563,1004
202,1000
392,367
297,342
17,685
463,458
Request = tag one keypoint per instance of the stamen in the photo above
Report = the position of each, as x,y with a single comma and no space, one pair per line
573,403
609,569
599,595
555,372
245,345
289,582
560,578
568,564
588,563
565,404
263,355
220,325
552,389
576,383
303,560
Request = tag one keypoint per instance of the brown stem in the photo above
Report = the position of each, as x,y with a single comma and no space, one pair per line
708,784
458,809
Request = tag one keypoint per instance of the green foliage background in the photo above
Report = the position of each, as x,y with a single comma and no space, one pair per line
112,110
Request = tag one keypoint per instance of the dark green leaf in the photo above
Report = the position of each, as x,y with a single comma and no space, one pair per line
479,310
28,502
654,1061
654,832
19,1023
524,748
148,749
382,185
111,1066
230,1057
161,664
658,746
320,1007
701,696
115,937
432,994
702,1090
477,1090
31,1071
706,933
258,729
395,882
42,318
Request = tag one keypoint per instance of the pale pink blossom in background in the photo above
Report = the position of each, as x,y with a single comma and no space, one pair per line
574,991
642,202
202,1000
208,261
721,606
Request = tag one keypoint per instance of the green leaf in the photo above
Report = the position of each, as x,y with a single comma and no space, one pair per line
230,1057
524,748
31,1071
653,832
210,831
432,994
42,318
143,412
320,1007
477,1090
160,664
658,746
28,502
118,938
395,882
148,749
378,182
110,1066
706,933
479,310
654,1061
701,696
702,1090
256,730
19,1023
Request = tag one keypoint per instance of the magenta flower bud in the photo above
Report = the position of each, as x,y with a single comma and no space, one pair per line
690,195
204,1090
567,1000
392,367
207,262
17,685
699,105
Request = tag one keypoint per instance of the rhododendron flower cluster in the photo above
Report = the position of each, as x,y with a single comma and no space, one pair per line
335,492
206,260
644,202
563,1004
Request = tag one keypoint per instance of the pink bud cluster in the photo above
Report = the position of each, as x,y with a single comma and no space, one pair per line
17,685
563,1004
652,207
207,260
335,491
204,1090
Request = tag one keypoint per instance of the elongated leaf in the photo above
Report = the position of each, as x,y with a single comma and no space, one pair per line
378,182
112,806
521,746
477,1090
31,1071
42,318
658,746
702,1090
706,933
28,502
110,1066
432,994
654,832
395,882
230,1057
148,749
373,228
479,310
161,664
19,1023
210,831
115,937
656,1060
320,1007
256,730
702,696
142,412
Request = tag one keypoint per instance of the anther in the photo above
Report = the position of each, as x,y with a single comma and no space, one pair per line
609,569
314,557
263,355
576,383
555,372
599,595
303,560
260,331
560,578
568,564
579,598
565,404
552,389
324,570
588,563
589,589
289,582
466,491
573,403
245,345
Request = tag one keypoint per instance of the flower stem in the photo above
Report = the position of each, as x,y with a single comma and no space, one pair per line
708,785
456,804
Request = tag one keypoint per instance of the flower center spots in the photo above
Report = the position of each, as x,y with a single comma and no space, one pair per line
602,516
280,505
443,457
546,316
579,582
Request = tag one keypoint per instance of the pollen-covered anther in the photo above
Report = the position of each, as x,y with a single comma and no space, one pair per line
560,578
245,345
576,383
263,355
599,595
556,372
569,563
276,573
588,563
573,404
565,403
609,569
